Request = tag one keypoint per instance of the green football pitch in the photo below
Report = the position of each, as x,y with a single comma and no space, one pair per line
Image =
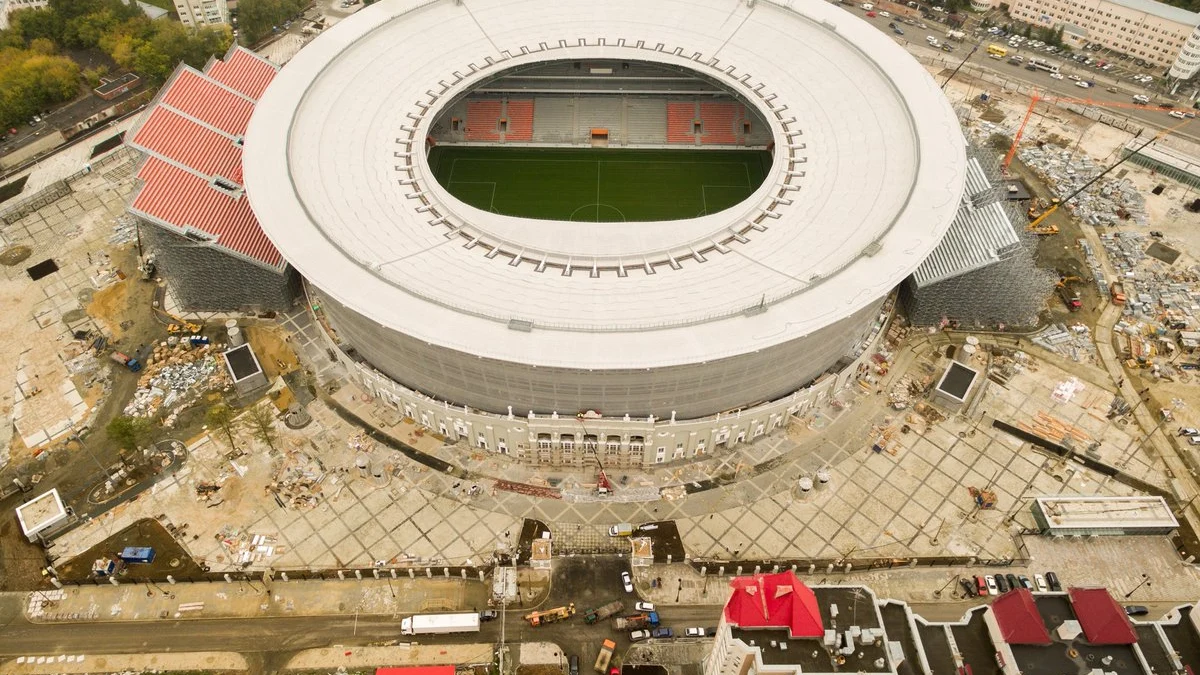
599,184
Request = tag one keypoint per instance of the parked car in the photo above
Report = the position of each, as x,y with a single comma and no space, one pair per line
693,632
1052,579
643,606
981,586
1193,440
627,582
992,587
1082,84
573,664
897,31
1136,610
1177,114
1056,76
968,587
1013,583
639,635
488,615
661,633
1041,583
1025,582
1001,584
871,15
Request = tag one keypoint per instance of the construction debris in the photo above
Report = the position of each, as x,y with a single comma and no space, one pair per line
1108,202
297,480
245,548
176,375
1073,342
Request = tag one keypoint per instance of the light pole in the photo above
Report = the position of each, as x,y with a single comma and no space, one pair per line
1145,582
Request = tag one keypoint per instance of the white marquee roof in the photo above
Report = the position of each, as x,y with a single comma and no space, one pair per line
868,172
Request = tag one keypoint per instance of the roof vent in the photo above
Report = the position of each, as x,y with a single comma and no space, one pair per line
227,186
520,325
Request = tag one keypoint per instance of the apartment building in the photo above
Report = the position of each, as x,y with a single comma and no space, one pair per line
9,6
202,12
1150,30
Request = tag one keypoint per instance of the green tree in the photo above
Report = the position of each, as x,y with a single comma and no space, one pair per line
261,421
221,416
130,432
31,82
257,18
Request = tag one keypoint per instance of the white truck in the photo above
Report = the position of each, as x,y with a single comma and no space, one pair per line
439,624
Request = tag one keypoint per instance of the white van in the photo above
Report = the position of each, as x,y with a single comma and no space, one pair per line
1141,98
620,530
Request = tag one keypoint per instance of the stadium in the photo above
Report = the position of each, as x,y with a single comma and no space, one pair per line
645,228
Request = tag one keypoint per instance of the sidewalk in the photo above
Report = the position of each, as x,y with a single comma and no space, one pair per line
120,663
150,602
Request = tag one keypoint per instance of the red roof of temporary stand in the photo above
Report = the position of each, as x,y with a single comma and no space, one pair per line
774,601
417,670
1103,620
1018,618
192,139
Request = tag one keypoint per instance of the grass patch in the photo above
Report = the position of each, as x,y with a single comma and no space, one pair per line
599,184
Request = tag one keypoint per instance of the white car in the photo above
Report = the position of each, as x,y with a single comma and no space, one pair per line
1056,76
1073,78
642,606
993,589
884,14
1083,84
693,632
1040,582
1177,114
627,582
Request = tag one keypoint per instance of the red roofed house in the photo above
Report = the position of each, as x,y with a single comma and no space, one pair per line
1104,622
193,213
1017,620
774,601
763,612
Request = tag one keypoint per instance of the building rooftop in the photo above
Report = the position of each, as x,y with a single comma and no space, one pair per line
1162,10
868,169
1104,621
41,513
1018,618
776,601
1106,512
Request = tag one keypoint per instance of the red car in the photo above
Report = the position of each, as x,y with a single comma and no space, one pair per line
871,15
981,585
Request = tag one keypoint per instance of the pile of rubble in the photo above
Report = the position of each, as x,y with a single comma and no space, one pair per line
1107,202
245,548
1073,342
296,480
175,375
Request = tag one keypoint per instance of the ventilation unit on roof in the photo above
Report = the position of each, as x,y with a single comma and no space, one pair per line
199,236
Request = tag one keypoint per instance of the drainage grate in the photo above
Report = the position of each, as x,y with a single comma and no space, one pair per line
42,269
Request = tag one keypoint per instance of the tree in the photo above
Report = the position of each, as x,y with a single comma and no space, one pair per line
261,421
257,18
221,416
130,432
31,82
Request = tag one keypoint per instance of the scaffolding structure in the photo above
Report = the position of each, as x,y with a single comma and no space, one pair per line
203,277
983,273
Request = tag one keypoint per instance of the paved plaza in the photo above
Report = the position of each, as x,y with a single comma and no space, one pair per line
911,500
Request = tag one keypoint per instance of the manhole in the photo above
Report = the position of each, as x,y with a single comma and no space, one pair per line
14,254
174,562
42,269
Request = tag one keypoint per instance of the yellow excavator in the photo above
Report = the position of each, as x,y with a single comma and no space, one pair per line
1036,224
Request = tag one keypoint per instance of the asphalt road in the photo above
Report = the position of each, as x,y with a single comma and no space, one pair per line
1152,116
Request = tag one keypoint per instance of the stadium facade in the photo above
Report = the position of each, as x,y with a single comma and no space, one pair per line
564,342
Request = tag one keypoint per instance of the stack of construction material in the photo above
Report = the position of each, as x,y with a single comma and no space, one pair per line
175,375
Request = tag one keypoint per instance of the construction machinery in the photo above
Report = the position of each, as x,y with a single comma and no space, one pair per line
605,656
148,268
1036,224
1037,207
551,615
1070,297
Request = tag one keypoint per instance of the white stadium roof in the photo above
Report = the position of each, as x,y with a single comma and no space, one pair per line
877,179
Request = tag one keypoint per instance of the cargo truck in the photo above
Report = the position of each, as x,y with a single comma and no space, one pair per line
129,362
1117,290
439,624
636,621
603,612
606,653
